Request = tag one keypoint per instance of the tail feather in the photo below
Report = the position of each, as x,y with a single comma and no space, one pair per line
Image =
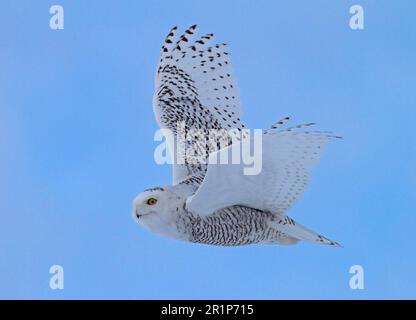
293,229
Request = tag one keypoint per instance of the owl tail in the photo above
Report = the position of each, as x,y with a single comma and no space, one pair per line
295,230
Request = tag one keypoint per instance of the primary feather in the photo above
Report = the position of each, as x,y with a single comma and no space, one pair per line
195,87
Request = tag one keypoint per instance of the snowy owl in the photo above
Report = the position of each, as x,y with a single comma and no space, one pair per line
218,204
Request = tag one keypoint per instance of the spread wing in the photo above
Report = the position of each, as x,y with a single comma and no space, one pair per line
194,92
287,159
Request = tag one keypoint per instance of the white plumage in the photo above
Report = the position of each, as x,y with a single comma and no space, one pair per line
218,203
287,158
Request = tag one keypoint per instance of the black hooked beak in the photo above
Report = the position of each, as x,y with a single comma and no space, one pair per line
137,214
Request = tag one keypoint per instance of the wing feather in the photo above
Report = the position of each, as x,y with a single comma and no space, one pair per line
194,90
287,159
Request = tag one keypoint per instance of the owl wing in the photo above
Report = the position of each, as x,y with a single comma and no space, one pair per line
195,91
287,158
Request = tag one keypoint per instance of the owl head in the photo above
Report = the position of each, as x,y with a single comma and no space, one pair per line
157,210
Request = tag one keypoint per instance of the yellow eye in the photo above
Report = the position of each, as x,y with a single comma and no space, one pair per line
151,201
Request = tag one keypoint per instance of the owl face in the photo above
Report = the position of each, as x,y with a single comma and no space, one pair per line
155,209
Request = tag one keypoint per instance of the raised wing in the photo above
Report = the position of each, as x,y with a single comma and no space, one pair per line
194,92
287,159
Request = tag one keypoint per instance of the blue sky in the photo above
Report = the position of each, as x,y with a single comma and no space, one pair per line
76,141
